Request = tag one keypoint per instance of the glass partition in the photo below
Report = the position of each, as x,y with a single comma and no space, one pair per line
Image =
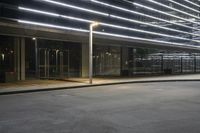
107,61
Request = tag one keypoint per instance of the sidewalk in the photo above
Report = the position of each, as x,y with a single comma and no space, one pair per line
47,85
163,78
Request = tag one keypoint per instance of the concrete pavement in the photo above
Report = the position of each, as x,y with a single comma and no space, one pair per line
44,85
128,108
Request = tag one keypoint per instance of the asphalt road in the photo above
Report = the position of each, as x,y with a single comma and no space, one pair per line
128,108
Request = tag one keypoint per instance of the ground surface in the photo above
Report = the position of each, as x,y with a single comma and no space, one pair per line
35,85
128,108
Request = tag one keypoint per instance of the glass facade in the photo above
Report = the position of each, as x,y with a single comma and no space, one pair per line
6,54
107,61
55,59
127,61
167,63
52,59
59,59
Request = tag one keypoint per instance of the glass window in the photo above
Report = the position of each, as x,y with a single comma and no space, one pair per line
6,54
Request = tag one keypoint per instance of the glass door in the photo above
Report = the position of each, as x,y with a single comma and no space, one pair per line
63,64
53,64
42,62
107,61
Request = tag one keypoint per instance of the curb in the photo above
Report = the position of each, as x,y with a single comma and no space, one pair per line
94,85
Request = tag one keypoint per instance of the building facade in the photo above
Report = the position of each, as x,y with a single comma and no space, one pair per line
49,39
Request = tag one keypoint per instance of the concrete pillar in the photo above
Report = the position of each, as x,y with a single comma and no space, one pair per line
19,58
36,59
85,60
134,61
16,57
22,63
195,64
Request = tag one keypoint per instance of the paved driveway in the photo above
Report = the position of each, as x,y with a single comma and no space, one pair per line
129,108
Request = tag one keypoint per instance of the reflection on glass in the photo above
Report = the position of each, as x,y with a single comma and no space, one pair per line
106,61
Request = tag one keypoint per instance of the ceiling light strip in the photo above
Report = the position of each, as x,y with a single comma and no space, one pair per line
192,3
141,14
189,8
171,15
147,32
142,39
152,25
103,33
168,7
51,26
119,8
76,7
104,24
